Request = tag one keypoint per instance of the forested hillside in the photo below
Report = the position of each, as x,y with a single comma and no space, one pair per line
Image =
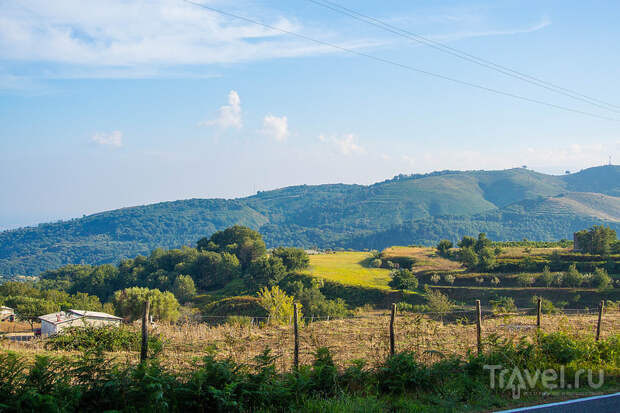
509,204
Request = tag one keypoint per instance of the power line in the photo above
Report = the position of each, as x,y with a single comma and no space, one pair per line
401,65
464,55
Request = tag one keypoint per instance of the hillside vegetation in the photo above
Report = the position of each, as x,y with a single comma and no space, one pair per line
510,204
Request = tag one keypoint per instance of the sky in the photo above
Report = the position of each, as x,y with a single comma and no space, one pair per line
119,103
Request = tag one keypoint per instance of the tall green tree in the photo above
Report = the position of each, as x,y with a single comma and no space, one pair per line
129,303
184,288
245,243
292,258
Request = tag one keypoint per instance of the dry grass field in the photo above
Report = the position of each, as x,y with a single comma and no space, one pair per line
426,259
363,337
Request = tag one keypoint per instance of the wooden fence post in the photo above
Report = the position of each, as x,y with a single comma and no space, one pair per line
479,326
144,348
539,313
392,317
600,318
296,332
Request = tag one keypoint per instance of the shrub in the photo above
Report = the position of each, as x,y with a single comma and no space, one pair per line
600,279
436,302
443,247
495,281
559,348
402,373
572,277
547,306
435,278
503,305
403,279
376,263
525,279
449,278
278,305
105,338
546,277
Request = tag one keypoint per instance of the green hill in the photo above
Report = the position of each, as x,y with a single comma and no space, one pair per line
508,204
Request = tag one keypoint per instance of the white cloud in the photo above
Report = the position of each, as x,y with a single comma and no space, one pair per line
345,145
276,127
229,115
134,38
114,138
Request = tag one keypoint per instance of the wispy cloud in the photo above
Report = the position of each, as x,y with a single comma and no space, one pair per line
114,138
119,38
229,115
484,33
276,127
346,144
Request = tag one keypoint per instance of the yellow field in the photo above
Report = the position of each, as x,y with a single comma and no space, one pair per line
347,268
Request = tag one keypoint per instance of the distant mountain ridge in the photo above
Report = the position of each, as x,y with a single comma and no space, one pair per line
507,204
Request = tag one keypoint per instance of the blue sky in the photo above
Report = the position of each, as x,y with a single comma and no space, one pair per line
127,102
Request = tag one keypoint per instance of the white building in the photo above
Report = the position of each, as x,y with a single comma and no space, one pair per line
6,313
56,322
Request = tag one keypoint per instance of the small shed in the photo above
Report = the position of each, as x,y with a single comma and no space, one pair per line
56,322
7,313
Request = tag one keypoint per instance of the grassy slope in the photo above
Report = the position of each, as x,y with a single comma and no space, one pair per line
347,268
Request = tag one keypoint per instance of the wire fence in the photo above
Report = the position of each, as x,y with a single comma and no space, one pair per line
430,335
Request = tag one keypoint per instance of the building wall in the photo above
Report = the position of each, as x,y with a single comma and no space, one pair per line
49,328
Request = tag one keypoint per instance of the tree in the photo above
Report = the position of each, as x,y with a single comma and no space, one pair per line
245,243
267,271
435,278
486,259
597,240
443,247
467,242
449,278
468,257
212,269
184,289
292,258
482,242
546,277
30,308
278,305
403,279
436,302
83,301
129,303
572,277
600,279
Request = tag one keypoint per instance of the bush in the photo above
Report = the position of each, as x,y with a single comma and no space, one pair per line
443,247
436,302
278,305
503,305
525,279
376,263
600,279
403,280
572,278
449,278
105,338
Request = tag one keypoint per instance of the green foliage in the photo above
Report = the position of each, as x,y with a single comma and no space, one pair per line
597,240
526,279
436,302
468,257
108,338
403,279
572,277
546,277
600,279
315,304
503,305
129,303
278,305
449,278
293,258
238,306
376,263
183,288
266,271
243,242
546,306
443,247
